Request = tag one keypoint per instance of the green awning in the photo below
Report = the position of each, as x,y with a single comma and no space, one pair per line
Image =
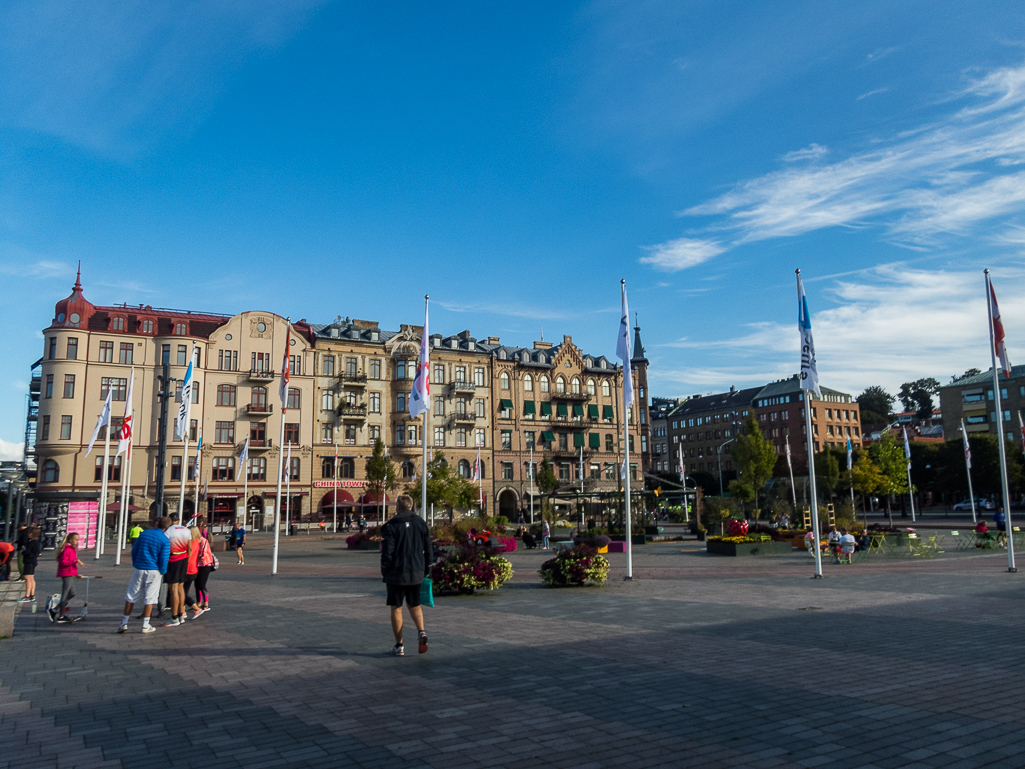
592,411
595,439
578,440
528,407
546,408
505,404
561,410
578,409
606,412
548,436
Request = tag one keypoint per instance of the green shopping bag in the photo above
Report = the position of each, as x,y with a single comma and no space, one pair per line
427,592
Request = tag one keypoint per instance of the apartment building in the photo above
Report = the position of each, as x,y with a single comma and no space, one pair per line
972,399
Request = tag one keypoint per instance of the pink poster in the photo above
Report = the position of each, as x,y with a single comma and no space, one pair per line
82,519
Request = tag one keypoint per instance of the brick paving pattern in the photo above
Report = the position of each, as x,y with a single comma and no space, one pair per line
702,661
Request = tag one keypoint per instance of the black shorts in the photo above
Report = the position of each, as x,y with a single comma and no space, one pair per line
176,572
398,593
28,570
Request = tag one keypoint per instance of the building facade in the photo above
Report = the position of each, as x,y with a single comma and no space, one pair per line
972,399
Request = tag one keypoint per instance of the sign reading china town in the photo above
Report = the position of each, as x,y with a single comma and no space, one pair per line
338,484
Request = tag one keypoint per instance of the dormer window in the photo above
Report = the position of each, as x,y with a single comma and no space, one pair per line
181,329
146,327
117,323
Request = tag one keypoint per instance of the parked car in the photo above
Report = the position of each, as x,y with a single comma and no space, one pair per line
980,504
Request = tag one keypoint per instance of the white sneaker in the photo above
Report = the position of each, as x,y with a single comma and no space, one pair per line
149,629
398,651
123,629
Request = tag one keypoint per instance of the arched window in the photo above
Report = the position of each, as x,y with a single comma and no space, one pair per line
408,469
590,387
464,468
504,380
259,397
544,384
560,385
606,389
327,467
346,468
528,383
51,472
576,386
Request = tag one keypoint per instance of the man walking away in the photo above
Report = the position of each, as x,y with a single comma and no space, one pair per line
406,557
150,552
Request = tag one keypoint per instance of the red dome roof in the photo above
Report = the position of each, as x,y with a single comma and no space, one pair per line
73,312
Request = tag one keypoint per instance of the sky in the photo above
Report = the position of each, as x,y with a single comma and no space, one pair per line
515,160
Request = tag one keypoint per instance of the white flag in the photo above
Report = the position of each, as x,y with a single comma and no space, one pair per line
850,453
245,453
199,457
476,468
420,397
682,471
101,421
125,437
968,448
181,424
286,369
809,369
907,446
623,351
789,463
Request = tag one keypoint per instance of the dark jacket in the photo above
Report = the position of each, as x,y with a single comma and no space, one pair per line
406,552
31,551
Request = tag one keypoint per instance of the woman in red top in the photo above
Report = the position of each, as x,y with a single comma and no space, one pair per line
67,571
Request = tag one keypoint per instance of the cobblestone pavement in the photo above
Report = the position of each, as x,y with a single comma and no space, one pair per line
701,661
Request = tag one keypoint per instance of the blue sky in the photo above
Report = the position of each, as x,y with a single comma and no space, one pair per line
515,160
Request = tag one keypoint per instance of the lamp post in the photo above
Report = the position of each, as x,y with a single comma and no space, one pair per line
10,475
718,452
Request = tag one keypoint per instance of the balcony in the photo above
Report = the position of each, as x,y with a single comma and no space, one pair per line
36,384
467,418
352,411
259,409
259,445
462,387
352,380
579,397
260,375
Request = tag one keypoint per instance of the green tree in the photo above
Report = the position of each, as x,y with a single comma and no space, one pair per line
965,375
876,405
756,459
888,456
827,472
445,487
917,396
380,471
868,479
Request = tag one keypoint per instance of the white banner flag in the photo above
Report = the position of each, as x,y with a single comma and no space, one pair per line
623,351
420,397
967,447
101,421
125,436
286,369
809,369
181,424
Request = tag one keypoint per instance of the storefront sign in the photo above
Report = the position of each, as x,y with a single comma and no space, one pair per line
339,484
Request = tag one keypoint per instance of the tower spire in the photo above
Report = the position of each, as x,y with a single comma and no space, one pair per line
78,278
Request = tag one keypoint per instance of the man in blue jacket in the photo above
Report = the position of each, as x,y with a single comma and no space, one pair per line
150,552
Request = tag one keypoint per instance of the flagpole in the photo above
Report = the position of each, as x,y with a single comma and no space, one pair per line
809,356
1008,530
281,448
427,410
626,441
102,517
968,470
121,513
184,429
288,491
335,500
532,486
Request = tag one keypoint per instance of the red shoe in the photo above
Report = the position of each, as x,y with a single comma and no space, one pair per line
422,647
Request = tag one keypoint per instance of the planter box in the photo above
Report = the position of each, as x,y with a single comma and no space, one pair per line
747,548
616,547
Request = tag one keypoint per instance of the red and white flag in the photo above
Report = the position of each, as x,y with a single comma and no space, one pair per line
789,464
286,368
125,437
420,397
476,468
1021,430
998,332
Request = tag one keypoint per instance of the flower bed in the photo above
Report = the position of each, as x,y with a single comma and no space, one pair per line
470,568
364,541
575,567
744,546
506,544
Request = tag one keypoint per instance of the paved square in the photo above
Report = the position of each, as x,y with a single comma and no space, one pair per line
702,661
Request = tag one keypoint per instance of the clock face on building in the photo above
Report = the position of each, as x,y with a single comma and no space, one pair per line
75,317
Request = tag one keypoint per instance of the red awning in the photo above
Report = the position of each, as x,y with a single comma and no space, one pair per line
370,498
344,499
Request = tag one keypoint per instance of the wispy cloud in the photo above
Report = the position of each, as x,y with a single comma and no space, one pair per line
873,93
891,324
938,180
10,451
503,308
681,253
19,262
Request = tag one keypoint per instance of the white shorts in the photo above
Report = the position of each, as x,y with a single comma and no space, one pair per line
145,584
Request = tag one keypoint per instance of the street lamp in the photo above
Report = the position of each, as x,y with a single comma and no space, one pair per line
718,451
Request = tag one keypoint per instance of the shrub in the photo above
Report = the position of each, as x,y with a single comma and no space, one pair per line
501,520
575,567
470,568
506,544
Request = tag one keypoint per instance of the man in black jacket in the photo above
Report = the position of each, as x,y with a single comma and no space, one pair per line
406,557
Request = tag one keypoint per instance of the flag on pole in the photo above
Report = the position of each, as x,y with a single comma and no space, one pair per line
420,397
998,334
476,467
968,448
623,351
907,446
288,462
681,468
286,368
850,453
199,456
809,369
1021,430
789,463
244,456
125,437
181,424
101,421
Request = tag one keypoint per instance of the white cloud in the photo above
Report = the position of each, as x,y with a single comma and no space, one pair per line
939,180
681,253
872,93
892,324
10,451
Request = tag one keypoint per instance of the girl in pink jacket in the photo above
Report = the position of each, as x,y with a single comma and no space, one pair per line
67,572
